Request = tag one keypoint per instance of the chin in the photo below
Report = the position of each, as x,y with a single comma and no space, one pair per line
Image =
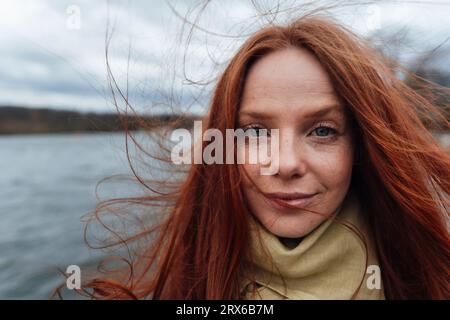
291,226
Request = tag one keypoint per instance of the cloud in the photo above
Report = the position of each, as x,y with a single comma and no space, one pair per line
45,62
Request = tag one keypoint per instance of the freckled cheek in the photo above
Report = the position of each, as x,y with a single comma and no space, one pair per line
253,171
250,193
333,166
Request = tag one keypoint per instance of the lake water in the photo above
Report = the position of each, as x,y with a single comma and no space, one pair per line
47,184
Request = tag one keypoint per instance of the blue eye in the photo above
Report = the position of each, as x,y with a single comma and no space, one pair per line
324,131
255,131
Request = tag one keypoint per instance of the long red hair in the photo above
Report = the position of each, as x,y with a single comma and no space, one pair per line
199,247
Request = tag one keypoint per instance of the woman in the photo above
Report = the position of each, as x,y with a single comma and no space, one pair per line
358,206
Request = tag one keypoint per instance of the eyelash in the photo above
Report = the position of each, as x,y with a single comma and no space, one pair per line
320,125
255,126
326,125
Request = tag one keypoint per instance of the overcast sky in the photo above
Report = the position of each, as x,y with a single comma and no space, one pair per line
52,52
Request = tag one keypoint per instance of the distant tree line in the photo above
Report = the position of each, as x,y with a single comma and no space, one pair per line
31,120
429,66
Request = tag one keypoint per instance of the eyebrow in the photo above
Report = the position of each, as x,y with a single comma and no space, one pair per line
314,114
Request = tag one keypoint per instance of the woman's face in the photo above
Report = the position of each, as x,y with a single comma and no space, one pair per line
289,90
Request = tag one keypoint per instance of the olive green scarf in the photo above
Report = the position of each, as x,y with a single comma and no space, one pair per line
329,263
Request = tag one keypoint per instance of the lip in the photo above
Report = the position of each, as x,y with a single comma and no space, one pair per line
282,200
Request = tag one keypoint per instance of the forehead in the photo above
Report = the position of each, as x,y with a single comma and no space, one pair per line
291,77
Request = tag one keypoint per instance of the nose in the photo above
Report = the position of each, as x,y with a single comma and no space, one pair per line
291,157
